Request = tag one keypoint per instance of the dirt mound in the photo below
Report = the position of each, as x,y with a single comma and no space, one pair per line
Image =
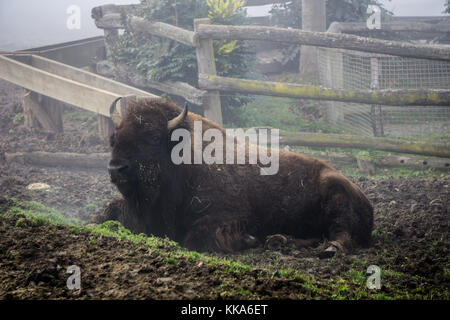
34,259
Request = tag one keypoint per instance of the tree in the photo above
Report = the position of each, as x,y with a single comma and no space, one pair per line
313,19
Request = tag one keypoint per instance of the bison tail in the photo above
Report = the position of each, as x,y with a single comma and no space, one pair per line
359,213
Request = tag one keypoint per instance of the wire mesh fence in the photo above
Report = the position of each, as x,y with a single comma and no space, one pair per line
353,70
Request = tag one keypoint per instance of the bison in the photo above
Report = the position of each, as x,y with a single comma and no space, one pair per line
220,207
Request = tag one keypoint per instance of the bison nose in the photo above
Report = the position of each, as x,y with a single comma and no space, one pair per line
116,171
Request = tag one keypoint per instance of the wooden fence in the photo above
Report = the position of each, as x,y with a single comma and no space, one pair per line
48,84
109,18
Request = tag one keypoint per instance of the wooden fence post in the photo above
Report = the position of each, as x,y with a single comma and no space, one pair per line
376,112
334,80
54,109
125,103
105,127
27,101
111,35
207,65
41,112
105,124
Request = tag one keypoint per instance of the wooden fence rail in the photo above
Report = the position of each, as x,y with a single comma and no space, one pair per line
114,21
109,18
357,142
420,27
325,39
404,97
274,34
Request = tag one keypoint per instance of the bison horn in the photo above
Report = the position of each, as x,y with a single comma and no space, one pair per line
175,122
112,111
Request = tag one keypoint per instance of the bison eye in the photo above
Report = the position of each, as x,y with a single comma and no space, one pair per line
154,140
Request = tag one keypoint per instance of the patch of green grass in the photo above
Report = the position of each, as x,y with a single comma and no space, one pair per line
340,288
40,214
382,296
193,255
242,292
447,272
18,118
398,173
170,260
232,266
284,273
280,113
21,222
356,276
349,285
93,241
116,230
376,233
359,263
38,221
393,274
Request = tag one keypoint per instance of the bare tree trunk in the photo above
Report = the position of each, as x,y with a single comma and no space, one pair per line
313,19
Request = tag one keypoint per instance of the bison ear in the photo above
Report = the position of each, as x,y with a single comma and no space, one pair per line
175,122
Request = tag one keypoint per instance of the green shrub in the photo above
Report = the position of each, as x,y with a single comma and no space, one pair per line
18,118
161,59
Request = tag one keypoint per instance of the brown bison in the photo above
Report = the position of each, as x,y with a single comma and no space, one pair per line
221,207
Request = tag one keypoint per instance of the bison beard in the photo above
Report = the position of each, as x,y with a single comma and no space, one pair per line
225,207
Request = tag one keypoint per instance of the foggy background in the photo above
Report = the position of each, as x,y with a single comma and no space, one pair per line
31,23
420,8
27,24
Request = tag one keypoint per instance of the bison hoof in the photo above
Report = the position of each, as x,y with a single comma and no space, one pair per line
328,252
275,242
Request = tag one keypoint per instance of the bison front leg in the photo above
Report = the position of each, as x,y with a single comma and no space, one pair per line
339,221
119,210
340,216
347,213
113,211
209,235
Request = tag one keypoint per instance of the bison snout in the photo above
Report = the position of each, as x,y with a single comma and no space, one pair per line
117,172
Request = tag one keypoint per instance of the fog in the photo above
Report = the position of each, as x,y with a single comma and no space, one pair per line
398,7
416,8
26,24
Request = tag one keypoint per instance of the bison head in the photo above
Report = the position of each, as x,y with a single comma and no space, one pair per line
140,148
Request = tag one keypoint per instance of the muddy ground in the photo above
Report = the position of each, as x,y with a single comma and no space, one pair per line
411,244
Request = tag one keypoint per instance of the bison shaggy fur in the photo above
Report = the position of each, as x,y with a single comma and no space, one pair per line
222,207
